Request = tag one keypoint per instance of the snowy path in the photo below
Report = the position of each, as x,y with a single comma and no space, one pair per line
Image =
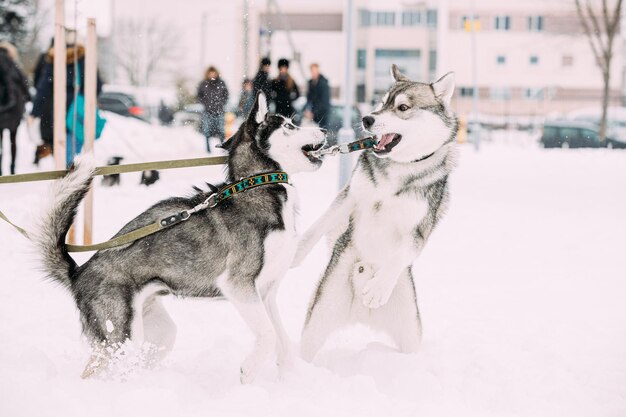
521,291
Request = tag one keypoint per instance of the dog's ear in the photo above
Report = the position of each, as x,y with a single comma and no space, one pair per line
397,75
227,145
444,87
259,110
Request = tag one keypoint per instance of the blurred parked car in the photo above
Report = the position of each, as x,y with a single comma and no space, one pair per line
570,134
615,123
121,103
190,115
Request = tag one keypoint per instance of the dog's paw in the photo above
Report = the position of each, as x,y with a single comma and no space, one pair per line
362,273
376,292
247,372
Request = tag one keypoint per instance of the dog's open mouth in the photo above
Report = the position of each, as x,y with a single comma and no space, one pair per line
307,149
387,142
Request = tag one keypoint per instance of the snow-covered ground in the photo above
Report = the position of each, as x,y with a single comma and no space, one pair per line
521,290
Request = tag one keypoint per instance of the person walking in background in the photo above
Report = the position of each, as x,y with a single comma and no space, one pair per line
43,105
13,97
318,98
284,90
261,80
213,94
246,98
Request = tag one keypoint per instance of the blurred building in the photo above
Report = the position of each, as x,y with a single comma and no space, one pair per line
532,57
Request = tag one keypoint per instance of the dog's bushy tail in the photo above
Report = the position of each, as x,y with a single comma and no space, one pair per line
49,236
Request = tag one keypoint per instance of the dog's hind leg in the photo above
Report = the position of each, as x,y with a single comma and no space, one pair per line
283,344
399,317
106,322
249,304
331,305
159,330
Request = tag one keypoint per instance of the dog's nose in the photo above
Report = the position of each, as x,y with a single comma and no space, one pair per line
368,121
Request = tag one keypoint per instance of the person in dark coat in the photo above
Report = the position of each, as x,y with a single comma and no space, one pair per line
13,97
43,105
261,80
318,98
284,90
213,94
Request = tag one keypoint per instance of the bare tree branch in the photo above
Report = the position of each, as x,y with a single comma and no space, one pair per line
589,34
601,42
144,48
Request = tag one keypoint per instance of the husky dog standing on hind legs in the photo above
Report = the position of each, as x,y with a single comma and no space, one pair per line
379,223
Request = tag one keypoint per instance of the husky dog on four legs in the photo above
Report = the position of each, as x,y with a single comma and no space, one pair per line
382,219
239,249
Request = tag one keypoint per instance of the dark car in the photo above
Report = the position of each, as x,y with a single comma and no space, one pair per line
122,104
570,134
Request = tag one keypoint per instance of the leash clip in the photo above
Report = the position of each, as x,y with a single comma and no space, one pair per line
331,150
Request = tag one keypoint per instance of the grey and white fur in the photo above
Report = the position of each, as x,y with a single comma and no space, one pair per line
379,223
239,249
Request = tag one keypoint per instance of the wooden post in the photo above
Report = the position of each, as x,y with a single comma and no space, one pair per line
59,92
59,86
91,68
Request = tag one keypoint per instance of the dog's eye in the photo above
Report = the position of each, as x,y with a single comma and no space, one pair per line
403,107
290,126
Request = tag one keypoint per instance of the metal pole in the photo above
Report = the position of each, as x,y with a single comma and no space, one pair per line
59,85
246,38
442,32
475,129
287,28
346,134
268,30
203,23
91,65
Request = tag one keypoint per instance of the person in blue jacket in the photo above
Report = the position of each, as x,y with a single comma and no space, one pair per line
43,105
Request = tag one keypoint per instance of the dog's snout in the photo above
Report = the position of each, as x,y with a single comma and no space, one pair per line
368,121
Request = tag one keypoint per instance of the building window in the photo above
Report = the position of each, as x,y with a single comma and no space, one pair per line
408,60
466,23
411,18
534,60
365,18
432,63
466,91
567,60
431,18
361,57
500,93
385,18
533,93
501,60
535,23
502,23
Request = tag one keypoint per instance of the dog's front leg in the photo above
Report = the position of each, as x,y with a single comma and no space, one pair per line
338,211
248,303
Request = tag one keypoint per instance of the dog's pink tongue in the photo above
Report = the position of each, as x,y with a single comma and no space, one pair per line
387,137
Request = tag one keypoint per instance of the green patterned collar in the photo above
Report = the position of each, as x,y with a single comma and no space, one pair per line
248,183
